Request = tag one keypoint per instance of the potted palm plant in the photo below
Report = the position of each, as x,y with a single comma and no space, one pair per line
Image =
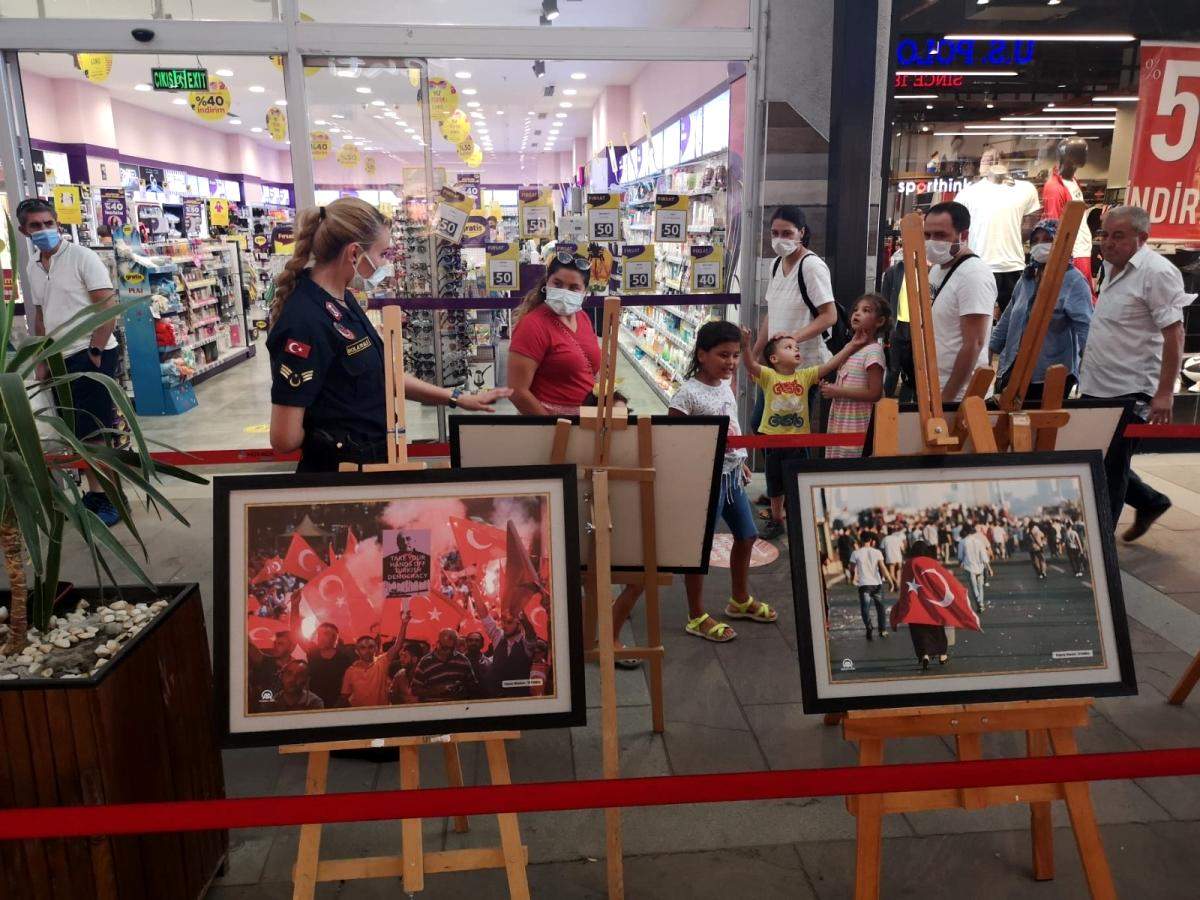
105,692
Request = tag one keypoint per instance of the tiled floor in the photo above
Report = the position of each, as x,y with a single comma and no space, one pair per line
737,707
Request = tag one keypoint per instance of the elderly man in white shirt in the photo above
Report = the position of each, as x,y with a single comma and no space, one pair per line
1134,350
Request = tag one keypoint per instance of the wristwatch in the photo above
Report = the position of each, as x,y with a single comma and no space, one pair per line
454,395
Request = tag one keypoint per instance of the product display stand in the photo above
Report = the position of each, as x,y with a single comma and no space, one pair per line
414,863
602,422
1049,725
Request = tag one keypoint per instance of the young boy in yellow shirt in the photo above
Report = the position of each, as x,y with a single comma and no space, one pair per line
785,388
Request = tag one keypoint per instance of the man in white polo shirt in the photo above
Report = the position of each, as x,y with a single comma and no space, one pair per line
64,279
964,297
1134,350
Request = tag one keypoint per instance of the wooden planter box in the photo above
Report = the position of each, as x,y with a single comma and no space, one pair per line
140,731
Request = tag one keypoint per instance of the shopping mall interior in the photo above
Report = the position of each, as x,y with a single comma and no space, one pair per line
179,140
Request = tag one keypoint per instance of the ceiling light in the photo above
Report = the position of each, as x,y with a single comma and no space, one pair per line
1086,127
402,123
566,104
1056,133
378,103
410,131
1079,109
991,106
363,89
924,127
462,75
1056,118
256,130
335,130
180,101
476,114
470,92
481,131
142,87
320,122
530,112
981,2
550,9
570,92
560,115
1049,104
539,68
1114,99
1036,127
499,112
235,121
914,96
346,73
473,104
257,89
929,106
281,103
337,116
225,73
979,73
1053,2
578,76
1077,38
377,117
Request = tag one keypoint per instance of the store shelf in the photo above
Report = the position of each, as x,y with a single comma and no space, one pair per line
200,283
678,311
196,306
646,374
660,328
232,358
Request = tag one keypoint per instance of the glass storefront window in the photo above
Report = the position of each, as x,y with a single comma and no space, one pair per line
185,10
565,13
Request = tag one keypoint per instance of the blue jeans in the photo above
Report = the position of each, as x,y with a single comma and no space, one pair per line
976,584
734,506
866,595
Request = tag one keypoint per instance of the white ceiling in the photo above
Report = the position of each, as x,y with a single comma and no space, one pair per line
506,91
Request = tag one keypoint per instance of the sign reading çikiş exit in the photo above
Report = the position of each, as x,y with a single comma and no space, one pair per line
935,53
179,79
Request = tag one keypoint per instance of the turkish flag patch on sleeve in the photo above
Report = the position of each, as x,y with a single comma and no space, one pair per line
296,348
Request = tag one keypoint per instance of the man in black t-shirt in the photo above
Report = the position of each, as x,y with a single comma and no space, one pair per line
328,657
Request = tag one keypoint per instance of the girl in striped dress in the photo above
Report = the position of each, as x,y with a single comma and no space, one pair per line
860,379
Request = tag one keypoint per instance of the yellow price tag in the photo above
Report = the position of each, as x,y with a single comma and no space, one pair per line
68,204
706,266
96,67
535,214
503,267
637,269
211,105
277,123
218,212
604,217
671,218
321,143
451,216
348,156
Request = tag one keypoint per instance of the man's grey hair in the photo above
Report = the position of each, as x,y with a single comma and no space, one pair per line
1134,215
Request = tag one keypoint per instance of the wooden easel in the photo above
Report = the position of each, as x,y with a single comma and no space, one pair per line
414,862
602,422
1048,725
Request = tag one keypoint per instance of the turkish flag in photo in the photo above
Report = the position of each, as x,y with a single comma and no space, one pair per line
272,568
334,596
930,595
430,614
301,560
478,544
297,348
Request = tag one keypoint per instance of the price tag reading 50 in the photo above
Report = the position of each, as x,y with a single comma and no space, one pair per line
503,267
604,214
451,215
637,268
670,218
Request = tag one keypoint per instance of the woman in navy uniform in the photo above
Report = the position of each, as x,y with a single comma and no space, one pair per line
327,366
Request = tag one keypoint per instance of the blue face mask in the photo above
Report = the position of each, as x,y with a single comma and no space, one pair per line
47,239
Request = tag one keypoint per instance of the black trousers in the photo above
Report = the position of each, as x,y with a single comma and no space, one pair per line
1005,282
900,361
928,640
1124,484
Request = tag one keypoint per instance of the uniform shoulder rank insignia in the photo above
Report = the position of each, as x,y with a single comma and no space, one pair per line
334,312
295,379
344,331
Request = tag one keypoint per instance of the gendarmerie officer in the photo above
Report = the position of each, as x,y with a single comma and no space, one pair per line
327,367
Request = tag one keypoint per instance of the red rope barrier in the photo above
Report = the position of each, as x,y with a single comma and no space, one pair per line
252,812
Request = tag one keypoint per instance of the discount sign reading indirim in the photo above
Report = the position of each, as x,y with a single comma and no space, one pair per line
1164,174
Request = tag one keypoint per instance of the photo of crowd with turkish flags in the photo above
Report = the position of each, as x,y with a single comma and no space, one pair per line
386,603
951,578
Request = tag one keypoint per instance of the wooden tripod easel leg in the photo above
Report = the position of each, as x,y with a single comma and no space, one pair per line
869,853
412,848
454,777
1083,822
304,877
1186,683
510,831
1041,823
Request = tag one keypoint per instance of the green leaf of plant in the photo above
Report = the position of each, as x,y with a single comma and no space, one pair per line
23,506
61,384
83,322
103,536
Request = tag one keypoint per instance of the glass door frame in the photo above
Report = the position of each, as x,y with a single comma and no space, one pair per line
293,40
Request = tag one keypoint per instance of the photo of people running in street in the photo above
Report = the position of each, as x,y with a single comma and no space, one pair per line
972,576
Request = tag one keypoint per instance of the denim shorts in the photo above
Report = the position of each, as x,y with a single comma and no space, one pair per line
734,506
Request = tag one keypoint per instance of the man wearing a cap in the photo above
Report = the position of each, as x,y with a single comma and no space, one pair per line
1069,323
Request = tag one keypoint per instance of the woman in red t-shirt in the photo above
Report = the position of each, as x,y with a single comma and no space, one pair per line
554,356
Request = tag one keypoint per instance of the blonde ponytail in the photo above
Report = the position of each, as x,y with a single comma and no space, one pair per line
321,235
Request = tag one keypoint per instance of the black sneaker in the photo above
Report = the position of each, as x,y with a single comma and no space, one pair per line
771,530
869,634
1142,522
99,504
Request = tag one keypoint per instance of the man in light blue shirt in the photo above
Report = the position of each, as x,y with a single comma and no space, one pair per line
1069,323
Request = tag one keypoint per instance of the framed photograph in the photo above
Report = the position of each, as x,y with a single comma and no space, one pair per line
1095,424
365,605
690,449
955,579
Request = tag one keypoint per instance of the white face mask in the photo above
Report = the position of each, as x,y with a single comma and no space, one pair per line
940,252
1039,253
377,276
563,301
783,246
